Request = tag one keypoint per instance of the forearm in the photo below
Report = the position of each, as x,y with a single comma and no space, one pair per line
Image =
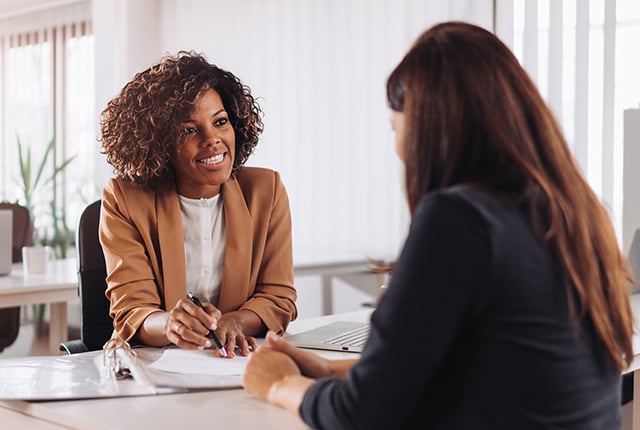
340,368
152,332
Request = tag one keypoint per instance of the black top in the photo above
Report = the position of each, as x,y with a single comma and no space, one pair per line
473,332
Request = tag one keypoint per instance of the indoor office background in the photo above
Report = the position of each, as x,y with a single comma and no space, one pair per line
318,68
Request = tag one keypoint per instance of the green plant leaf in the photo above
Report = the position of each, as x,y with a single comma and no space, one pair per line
25,173
62,234
59,169
43,163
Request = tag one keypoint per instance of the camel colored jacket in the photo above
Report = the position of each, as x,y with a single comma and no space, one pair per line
141,235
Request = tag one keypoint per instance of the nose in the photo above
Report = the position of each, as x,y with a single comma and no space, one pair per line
211,137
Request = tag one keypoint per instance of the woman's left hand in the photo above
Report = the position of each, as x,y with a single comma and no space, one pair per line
266,367
231,330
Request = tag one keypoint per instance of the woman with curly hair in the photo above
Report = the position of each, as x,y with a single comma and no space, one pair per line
508,307
184,215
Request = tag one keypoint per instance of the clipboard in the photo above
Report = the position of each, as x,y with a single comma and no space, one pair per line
115,371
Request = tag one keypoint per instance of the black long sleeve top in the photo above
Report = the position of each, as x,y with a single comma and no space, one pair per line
474,332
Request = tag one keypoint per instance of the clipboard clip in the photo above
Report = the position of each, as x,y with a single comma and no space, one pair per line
112,352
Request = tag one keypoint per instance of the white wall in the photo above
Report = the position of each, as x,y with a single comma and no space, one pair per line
319,69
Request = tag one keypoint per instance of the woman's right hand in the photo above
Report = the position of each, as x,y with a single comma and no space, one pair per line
188,325
311,365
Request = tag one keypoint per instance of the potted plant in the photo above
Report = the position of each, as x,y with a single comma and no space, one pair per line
31,182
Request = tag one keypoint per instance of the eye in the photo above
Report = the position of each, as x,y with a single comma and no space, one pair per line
190,130
221,121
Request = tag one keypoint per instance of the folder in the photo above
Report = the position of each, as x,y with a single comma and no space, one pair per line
118,370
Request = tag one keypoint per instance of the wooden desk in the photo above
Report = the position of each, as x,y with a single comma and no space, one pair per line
227,408
57,286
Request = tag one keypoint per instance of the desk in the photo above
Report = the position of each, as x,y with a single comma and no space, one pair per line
57,286
328,265
230,409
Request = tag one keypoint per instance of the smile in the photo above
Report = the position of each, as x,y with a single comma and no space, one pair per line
212,160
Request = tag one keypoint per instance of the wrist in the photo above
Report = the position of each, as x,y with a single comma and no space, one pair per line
289,391
245,321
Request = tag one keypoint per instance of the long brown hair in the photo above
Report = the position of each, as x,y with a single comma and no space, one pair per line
473,115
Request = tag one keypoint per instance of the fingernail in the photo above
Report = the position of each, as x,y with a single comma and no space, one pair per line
272,336
207,343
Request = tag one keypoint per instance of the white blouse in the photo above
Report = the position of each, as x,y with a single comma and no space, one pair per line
203,225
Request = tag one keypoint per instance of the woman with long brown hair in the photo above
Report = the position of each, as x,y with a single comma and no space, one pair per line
509,305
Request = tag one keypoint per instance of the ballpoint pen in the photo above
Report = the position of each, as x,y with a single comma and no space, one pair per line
212,334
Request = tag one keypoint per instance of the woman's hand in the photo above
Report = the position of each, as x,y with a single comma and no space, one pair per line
310,364
265,368
188,325
233,328
273,376
281,373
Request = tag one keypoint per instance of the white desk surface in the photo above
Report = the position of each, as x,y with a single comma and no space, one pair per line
58,286
233,409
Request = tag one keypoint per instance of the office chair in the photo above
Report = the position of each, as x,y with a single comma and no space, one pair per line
22,235
96,325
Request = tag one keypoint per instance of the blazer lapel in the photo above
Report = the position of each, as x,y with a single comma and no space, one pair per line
171,244
237,261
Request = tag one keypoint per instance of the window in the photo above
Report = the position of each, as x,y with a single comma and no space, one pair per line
47,88
582,55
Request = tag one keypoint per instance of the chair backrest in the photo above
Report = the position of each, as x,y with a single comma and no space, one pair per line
96,326
22,233
22,229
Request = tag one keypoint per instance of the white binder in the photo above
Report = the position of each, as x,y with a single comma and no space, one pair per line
114,372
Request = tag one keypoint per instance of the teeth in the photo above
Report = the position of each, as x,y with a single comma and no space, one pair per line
212,160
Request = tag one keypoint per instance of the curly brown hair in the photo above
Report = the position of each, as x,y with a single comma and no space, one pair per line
142,126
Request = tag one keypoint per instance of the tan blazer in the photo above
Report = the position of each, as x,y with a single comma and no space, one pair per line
143,243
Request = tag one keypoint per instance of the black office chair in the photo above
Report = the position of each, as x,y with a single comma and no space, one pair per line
22,232
96,325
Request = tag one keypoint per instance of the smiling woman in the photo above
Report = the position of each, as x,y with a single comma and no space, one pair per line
178,136
205,158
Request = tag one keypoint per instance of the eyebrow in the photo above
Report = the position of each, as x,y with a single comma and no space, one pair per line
212,115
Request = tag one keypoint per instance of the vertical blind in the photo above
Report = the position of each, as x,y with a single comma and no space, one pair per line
571,49
46,84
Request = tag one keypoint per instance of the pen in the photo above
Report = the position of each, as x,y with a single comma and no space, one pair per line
212,334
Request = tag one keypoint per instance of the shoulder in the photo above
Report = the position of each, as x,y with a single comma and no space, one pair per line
258,181
258,190
116,186
119,193
255,176
468,202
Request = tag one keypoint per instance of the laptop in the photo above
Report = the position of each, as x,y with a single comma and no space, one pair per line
6,240
337,336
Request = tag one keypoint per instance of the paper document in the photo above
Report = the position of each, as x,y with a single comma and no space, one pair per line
177,360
